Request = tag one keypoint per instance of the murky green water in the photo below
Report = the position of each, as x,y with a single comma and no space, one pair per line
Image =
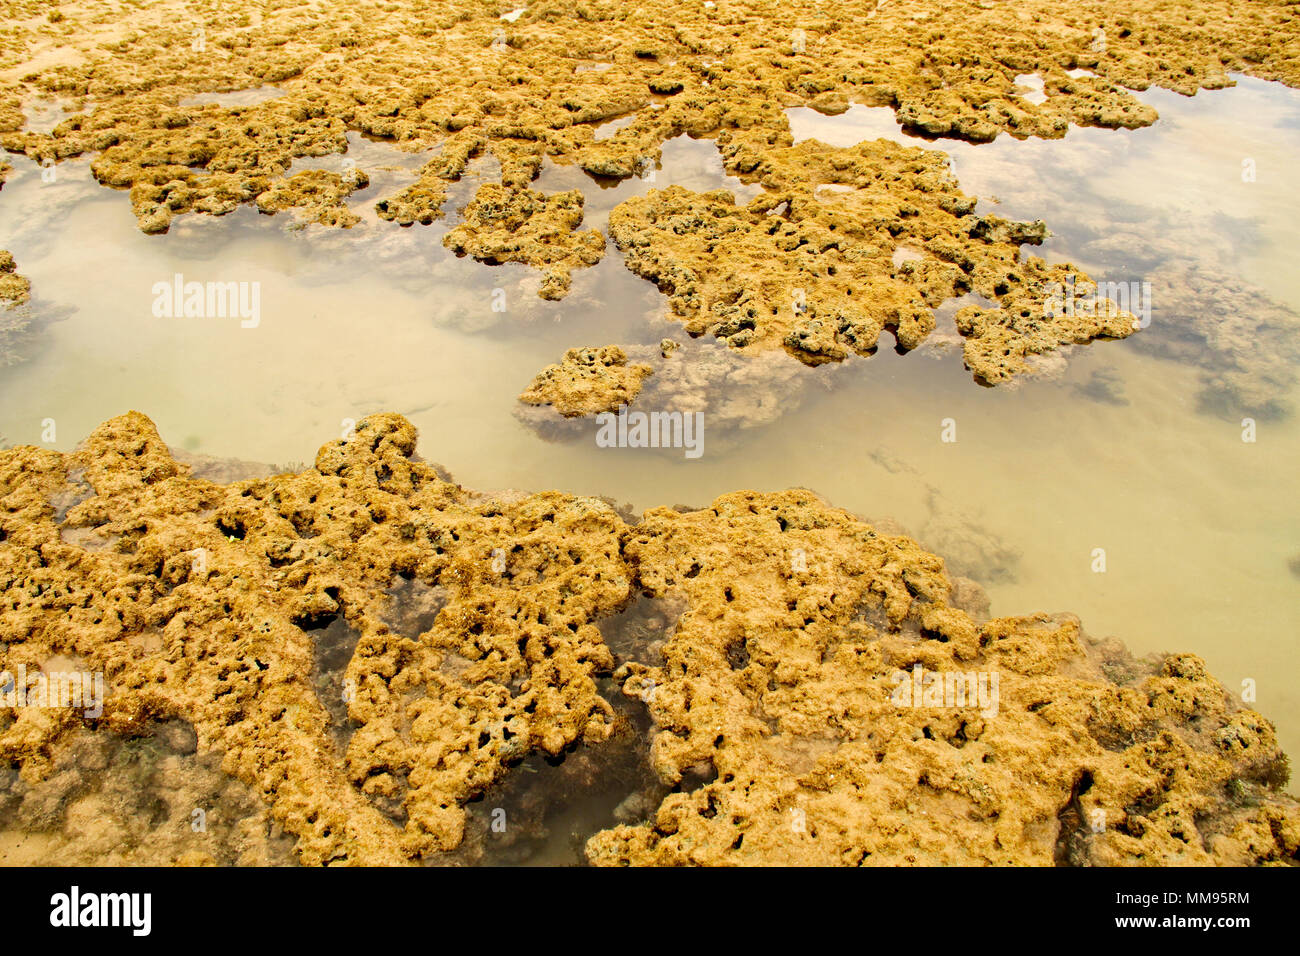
1134,447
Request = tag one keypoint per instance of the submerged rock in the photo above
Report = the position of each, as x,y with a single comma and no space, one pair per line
140,800
736,392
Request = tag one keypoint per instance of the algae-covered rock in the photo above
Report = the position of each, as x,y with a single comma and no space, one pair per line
848,243
848,713
523,225
587,381
14,289
422,200
317,195
527,89
216,592
366,646
533,90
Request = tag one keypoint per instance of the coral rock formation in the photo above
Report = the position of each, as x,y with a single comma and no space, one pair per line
367,646
844,244
14,289
457,78
587,381
317,195
522,225
779,681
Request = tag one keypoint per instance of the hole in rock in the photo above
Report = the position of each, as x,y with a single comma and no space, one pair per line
546,808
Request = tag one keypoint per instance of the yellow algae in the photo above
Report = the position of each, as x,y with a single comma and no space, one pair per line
587,381
502,224
456,77
14,288
821,274
317,194
229,577
783,676
366,646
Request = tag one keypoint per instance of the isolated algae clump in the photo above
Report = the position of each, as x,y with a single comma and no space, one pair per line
587,381
366,647
522,225
14,289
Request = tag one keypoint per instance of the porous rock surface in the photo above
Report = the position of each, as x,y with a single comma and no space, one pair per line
820,273
467,633
587,381
502,224
316,195
779,678
453,76
14,288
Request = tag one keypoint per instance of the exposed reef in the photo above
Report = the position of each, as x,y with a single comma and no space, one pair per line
366,646
455,77
780,676
317,196
845,244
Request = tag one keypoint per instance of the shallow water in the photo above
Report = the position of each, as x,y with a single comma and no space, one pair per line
1134,447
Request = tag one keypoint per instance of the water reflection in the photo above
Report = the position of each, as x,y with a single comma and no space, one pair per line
1200,206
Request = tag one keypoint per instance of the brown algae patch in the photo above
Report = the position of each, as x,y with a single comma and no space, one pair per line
587,381
368,647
